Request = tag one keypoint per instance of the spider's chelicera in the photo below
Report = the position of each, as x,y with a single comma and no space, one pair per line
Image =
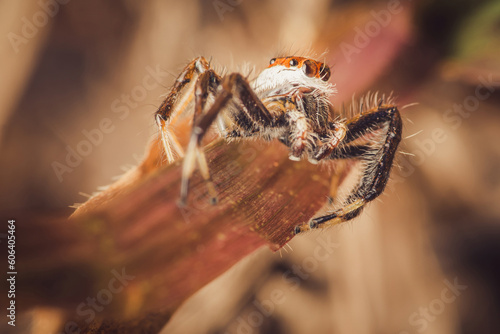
288,101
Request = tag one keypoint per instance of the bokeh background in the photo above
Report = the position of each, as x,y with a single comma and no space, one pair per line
424,258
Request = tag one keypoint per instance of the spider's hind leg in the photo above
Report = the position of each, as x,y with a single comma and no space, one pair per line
377,157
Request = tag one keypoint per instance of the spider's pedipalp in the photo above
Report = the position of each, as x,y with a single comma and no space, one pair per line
331,141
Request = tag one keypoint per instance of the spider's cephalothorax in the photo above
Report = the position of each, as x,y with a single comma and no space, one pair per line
295,91
288,101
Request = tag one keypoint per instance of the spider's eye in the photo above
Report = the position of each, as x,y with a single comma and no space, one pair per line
272,61
310,68
324,72
293,62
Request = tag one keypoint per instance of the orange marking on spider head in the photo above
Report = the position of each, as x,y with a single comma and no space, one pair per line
311,67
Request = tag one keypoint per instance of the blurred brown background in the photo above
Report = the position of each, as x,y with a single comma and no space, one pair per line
87,76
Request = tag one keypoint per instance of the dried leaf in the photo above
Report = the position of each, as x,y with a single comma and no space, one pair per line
170,251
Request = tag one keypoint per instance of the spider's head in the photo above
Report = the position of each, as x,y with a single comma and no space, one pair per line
309,67
293,72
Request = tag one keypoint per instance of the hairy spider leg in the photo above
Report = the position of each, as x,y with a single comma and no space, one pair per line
201,93
175,103
377,165
233,86
330,141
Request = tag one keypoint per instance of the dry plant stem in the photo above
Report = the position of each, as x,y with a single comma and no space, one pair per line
136,227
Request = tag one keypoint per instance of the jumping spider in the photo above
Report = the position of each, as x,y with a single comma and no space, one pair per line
288,101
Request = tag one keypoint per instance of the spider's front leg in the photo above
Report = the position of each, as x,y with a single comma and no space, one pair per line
176,102
234,87
377,158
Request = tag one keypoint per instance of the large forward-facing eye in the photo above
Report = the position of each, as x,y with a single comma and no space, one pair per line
310,69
